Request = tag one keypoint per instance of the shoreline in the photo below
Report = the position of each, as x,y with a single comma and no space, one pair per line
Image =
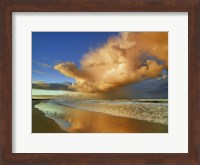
96,122
153,113
42,124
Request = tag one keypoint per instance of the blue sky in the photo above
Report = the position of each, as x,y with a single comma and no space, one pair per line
49,48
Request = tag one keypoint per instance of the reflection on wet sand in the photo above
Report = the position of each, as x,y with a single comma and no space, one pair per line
72,119
42,124
85,121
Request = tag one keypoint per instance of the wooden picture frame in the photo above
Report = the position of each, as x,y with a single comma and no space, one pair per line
9,6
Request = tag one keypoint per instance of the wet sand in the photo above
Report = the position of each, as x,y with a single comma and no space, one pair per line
42,124
83,121
86,122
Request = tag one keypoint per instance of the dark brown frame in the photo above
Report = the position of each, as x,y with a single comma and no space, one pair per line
9,6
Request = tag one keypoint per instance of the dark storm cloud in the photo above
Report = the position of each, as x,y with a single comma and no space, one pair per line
151,88
148,89
52,86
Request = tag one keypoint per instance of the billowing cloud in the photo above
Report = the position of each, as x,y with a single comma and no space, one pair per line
128,58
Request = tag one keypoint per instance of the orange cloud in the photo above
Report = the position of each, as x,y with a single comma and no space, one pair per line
121,61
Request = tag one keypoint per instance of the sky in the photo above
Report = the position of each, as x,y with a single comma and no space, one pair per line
129,65
50,48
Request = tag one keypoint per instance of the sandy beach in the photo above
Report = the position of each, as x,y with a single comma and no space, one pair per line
82,121
42,124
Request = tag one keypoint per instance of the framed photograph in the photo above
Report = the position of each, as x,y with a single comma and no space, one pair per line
100,82
116,87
